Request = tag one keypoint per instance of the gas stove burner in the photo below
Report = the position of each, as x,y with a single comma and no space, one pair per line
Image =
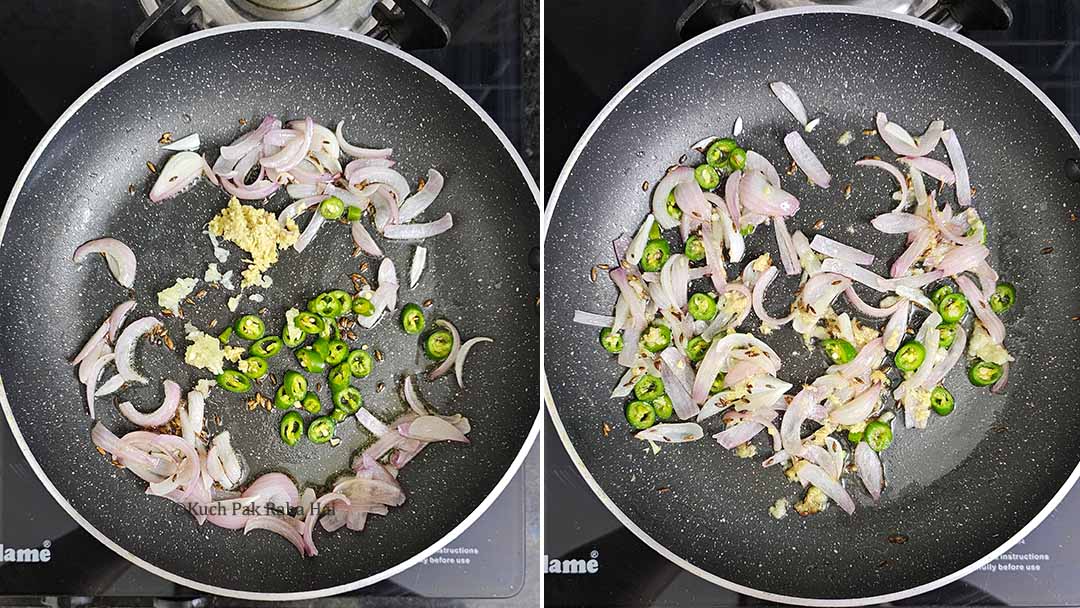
409,24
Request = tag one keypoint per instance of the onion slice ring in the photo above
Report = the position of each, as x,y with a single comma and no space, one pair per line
159,417
459,362
125,347
120,258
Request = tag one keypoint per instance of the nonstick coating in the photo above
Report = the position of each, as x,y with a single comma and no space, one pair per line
957,491
477,274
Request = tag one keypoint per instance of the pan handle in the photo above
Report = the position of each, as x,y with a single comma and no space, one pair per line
971,15
410,25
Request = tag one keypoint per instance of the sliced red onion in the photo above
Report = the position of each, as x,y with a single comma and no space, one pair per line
230,462
791,425
306,173
260,189
293,152
988,278
807,259
251,140
310,231
381,175
118,256
895,136
836,249
788,257
416,269
274,488
278,525
419,231
636,306
297,208
371,423
665,187
433,428
716,358
192,417
188,143
386,210
871,473
735,242
858,408
691,200
902,265
756,194
758,299
806,159
179,172
416,204
871,311
684,406
738,434
959,167
298,191
731,196
947,228
952,357
913,282
110,386
92,377
896,328
869,358
358,152
360,163
159,417
413,399
932,167
93,345
672,433
362,239
898,223
637,244
893,171
854,272
963,258
459,362
187,471
713,242
385,297
929,336
756,163
814,475
790,99
977,299
125,347
116,318
447,363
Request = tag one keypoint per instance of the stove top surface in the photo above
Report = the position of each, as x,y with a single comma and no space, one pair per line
53,50
589,57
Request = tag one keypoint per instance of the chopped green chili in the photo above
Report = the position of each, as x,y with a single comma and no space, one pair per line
984,373
656,338
330,329
339,377
353,213
939,294
640,415
321,429
438,345
953,307
878,435
344,300
838,350
717,385
672,207
947,333
311,360
412,319
654,231
655,255
255,367
612,341
338,415
322,345
295,385
282,399
337,352
225,335
360,363
648,388
348,399
250,327
942,401
706,177
324,305
331,208
854,437
289,341
696,348
737,159
311,403
909,356
663,407
291,428
310,323
702,307
718,151
363,307
1003,298
266,347
695,248
233,381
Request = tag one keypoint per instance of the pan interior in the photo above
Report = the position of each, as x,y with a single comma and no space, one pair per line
477,277
957,490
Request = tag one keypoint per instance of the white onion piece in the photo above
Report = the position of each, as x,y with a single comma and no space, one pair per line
672,433
196,415
249,141
371,423
807,258
794,417
412,398
734,241
447,363
362,239
854,272
357,151
756,194
977,299
381,175
895,136
386,210
758,300
871,311
298,191
459,363
788,257
660,194
188,143
902,265
322,137
116,318
419,231
840,251
858,408
932,167
930,138
125,347
814,475
259,189
179,172
229,459
110,386
310,231
759,164
713,242
298,207
807,160
419,260
118,256
898,223
893,171
963,258
163,414
385,297
790,99
415,204
716,358
959,167
736,130
432,428
637,245
293,152
738,434
869,358
92,377
691,200
952,357
271,486
731,196
359,163
92,346
676,389
895,329
871,472
278,525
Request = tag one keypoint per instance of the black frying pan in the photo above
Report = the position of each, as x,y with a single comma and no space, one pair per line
961,491
75,188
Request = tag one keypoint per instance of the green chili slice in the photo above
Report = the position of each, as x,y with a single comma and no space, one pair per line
330,329
412,319
942,401
338,415
321,429
984,373
295,385
266,347
706,177
311,360
663,407
655,255
311,403
648,388
909,356
717,385
255,367
838,350
250,327
363,307
939,294
696,348
348,399
354,214
291,428
656,338
878,435
611,341
672,207
718,151
702,307
747,230
695,248
331,208
310,323
640,415
282,399
737,159
339,377
322,345
1003,298
291,342
344,300
324,305
336,352
233,381
654,231
953,307
360,363
438,345
225,335
947,332
854,437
